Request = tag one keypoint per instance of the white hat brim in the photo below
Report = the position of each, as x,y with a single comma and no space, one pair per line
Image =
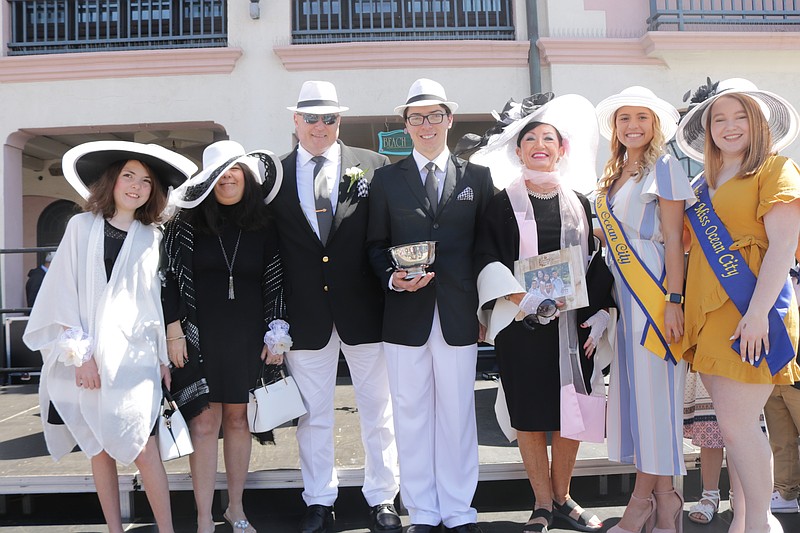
319,109
84,164
668,116
783,122
265,166
452,106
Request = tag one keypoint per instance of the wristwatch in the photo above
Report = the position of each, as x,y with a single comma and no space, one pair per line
673,298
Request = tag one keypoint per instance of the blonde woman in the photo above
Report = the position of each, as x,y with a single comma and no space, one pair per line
643,193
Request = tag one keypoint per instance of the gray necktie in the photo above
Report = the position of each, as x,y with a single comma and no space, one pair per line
432,185
322,199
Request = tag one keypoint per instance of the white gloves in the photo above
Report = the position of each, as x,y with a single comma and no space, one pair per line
277,338
599,323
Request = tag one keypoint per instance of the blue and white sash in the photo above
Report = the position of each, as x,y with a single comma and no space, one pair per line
737,279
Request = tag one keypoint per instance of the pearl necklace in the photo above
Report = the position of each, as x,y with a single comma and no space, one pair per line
542,196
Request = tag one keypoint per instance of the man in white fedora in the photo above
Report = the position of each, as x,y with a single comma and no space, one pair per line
430,328
334,303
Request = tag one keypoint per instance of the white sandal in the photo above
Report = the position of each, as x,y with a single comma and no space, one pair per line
703,512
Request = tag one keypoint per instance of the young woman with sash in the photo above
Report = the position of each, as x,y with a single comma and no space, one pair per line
98,320
545,154
640,204
741,313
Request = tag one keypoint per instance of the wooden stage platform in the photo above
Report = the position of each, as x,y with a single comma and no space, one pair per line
27,468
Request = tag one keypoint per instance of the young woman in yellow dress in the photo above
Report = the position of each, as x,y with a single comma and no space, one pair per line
741,315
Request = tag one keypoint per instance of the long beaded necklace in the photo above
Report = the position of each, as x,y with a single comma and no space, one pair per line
229,264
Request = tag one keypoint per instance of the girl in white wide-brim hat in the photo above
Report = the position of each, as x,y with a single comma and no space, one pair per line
99,324
742,322
641,199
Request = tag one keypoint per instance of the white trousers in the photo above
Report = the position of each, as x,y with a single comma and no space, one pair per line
434,417
315,374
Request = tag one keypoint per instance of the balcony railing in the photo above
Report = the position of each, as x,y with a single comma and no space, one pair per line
335,21
736,15
59,26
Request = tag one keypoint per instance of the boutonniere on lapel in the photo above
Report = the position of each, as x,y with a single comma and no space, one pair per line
357,178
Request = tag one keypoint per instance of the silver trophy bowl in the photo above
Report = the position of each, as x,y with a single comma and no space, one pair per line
413,257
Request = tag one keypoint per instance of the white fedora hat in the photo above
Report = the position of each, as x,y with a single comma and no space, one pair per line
319,98
637,96
425,92
218,158
84,164
781,116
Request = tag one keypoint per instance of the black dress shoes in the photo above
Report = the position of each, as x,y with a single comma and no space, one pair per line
466,528
318,519
384,519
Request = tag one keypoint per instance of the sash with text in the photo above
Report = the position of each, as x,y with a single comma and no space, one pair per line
737,279
644,286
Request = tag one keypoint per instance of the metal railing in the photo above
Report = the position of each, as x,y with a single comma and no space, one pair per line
60,26
335,21
707,15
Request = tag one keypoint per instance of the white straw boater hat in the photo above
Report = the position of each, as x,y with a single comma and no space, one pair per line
424,92
637,96
84,164
218,158
781,116
318,98
574,118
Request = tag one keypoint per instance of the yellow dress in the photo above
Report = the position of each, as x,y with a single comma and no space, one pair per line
710,316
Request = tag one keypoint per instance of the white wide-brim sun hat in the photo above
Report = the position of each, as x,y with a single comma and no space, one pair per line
782,118
84,164
574,118
637,96
218,158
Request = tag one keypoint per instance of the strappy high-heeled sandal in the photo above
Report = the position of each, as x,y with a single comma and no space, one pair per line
678,517
649,521
706,509
238,525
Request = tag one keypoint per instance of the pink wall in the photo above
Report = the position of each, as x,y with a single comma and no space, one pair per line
624,18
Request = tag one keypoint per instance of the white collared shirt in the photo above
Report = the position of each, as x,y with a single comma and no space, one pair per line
305,180
440,161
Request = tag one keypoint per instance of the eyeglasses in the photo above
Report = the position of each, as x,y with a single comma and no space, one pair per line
311,118
433,118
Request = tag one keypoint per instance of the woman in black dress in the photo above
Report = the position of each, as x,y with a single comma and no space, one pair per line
223,292
539,213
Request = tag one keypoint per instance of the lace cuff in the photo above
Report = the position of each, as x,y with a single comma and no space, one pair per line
277,338
76,347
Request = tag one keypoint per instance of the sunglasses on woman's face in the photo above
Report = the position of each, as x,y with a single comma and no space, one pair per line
328,120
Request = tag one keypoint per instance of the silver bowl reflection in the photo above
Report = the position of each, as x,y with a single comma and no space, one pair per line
413,257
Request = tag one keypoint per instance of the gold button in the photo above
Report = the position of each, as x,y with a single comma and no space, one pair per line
324,258
325,288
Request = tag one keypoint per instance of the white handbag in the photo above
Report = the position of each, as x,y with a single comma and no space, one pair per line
173,432
274,404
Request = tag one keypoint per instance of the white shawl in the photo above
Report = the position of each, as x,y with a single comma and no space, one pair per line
124,317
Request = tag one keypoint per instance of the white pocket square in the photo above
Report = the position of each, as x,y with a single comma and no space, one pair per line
466,194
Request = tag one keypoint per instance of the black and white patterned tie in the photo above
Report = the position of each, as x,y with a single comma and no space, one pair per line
322,199
432,185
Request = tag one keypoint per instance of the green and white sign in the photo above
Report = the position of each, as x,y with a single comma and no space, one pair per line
394,142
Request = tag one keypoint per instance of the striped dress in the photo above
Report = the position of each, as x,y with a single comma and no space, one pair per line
645,400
